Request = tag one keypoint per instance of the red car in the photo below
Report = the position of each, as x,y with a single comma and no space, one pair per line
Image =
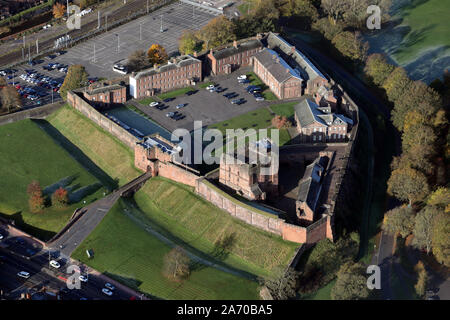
18,87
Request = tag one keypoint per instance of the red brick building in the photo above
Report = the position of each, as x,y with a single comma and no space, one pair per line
319,124
228,59
104,94
179,72
282,79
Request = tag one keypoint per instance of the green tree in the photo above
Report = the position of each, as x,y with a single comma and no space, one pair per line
217,32
423,227
419,97
351,283
176,264
407,184
328,29
351,45
418,134
302,12
377,68
440,197
189,43
396,84
441,239
283,287
399,220
76,78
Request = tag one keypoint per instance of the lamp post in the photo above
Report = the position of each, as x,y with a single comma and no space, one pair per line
161,29
118,43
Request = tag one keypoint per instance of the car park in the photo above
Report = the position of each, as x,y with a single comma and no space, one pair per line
107,292
55,264
24,274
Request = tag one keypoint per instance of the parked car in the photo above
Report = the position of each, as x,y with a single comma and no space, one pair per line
83,278
210,87
55,264
238,101
244,81
168,99
109,286
189,93
154,104
181,105
107,292
242,77
231,95
24,274
259,99
1,236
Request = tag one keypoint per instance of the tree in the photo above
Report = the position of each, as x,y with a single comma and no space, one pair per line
189,43
351,45
60,198
301,11
440,197
396,83
76,77
36,199
407,184
86,3
326,28
335,9
280,122
283,287
422,280
157,54
138,60
423,227
417,96
351,283
58,10
441,239
399,220
377,68
418,157
217,32
10,98
176,264
418,135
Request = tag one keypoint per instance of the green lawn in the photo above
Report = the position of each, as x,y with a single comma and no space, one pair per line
199,224
256,81
174,93
29,153
258,119
429,28
146,101
205,84
284,109
105,150
126,252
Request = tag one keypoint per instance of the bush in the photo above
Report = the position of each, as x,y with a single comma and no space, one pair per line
60,198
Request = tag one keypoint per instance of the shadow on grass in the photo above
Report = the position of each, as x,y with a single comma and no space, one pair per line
77,154
22,225
62,183
129,282
83,192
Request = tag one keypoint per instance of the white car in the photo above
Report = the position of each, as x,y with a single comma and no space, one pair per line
1,236
259,99
242,77
107,292
181,105
154,104
55,264
109,286
83,278
210,87
23,274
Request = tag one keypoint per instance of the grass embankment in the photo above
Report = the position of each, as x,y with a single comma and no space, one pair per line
200,224
428,29
106,151
126,252
29,153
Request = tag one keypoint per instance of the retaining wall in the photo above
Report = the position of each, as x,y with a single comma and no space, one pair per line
36,113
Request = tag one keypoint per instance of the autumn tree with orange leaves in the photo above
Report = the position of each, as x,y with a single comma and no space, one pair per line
58,10
157,54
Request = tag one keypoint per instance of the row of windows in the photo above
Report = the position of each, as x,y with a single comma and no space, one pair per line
237,56
333,136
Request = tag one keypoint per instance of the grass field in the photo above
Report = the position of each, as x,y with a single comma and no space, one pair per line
29,153
129,254
174,93
106,151
284,109
200,225
146,101
258,119
429,28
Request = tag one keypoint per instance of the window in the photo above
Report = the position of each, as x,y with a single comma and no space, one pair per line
314,138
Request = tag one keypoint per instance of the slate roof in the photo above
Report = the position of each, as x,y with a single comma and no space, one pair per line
308,112
304,65
276,65
310,186
181,61
241,47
